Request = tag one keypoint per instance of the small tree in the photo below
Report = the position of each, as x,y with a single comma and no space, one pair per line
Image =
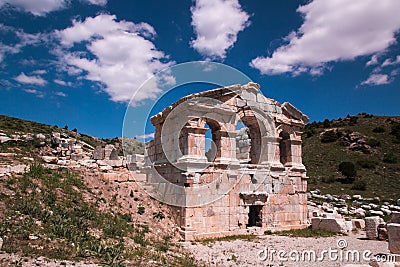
348,169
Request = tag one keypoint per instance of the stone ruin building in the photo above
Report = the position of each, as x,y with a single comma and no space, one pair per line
251,179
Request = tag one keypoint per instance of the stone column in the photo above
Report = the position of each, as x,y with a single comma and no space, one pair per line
295,151
226,146
192,143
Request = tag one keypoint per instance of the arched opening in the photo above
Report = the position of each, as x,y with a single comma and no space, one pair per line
249,122
210,147
243,143
212,144
284,147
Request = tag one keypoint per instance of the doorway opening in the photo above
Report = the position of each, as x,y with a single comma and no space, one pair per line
255,216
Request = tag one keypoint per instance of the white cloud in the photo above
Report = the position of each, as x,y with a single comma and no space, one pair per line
37,80
25,39
34,92
61,82
97,2
334,30
62,94
145,136
376,79
39,72
390,62
6,49
37,8
372,61
217,24
118,55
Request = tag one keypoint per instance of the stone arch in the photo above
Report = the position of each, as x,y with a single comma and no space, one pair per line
289,145
261,130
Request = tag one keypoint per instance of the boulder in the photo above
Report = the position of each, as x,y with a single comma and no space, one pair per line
50,159
4,139
393,230
366,207
357,197
386,211
41,136
330,224
398,202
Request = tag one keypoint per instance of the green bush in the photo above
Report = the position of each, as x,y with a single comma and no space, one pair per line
140,210
348,169
390,158
329,136
396,130
379,129
367,164
372,142
328,179
359,185
158,215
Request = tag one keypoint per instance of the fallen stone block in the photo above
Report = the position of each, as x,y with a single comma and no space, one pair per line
382,232
329,224
393,230
358,224
371,226
395,217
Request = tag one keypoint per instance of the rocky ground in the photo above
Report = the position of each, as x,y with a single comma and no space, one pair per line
247,253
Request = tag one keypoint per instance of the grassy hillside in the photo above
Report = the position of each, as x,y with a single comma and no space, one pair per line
375,152
12,126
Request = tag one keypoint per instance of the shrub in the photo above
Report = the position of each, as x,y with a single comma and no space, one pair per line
379,129
390,158
348,169
367,164
140,210
158,215
328,179
359,185
326,123
329,136
353,121
396,130
372,142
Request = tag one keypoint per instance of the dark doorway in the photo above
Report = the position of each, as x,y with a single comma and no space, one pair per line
255,216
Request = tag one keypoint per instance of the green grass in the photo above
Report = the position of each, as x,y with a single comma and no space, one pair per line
322,159
306,232
50,204
227,238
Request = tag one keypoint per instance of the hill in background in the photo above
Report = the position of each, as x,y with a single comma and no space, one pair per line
371,143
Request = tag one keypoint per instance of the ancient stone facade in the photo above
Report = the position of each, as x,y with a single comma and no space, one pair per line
250,179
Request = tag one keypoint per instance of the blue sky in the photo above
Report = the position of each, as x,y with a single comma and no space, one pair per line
79,62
